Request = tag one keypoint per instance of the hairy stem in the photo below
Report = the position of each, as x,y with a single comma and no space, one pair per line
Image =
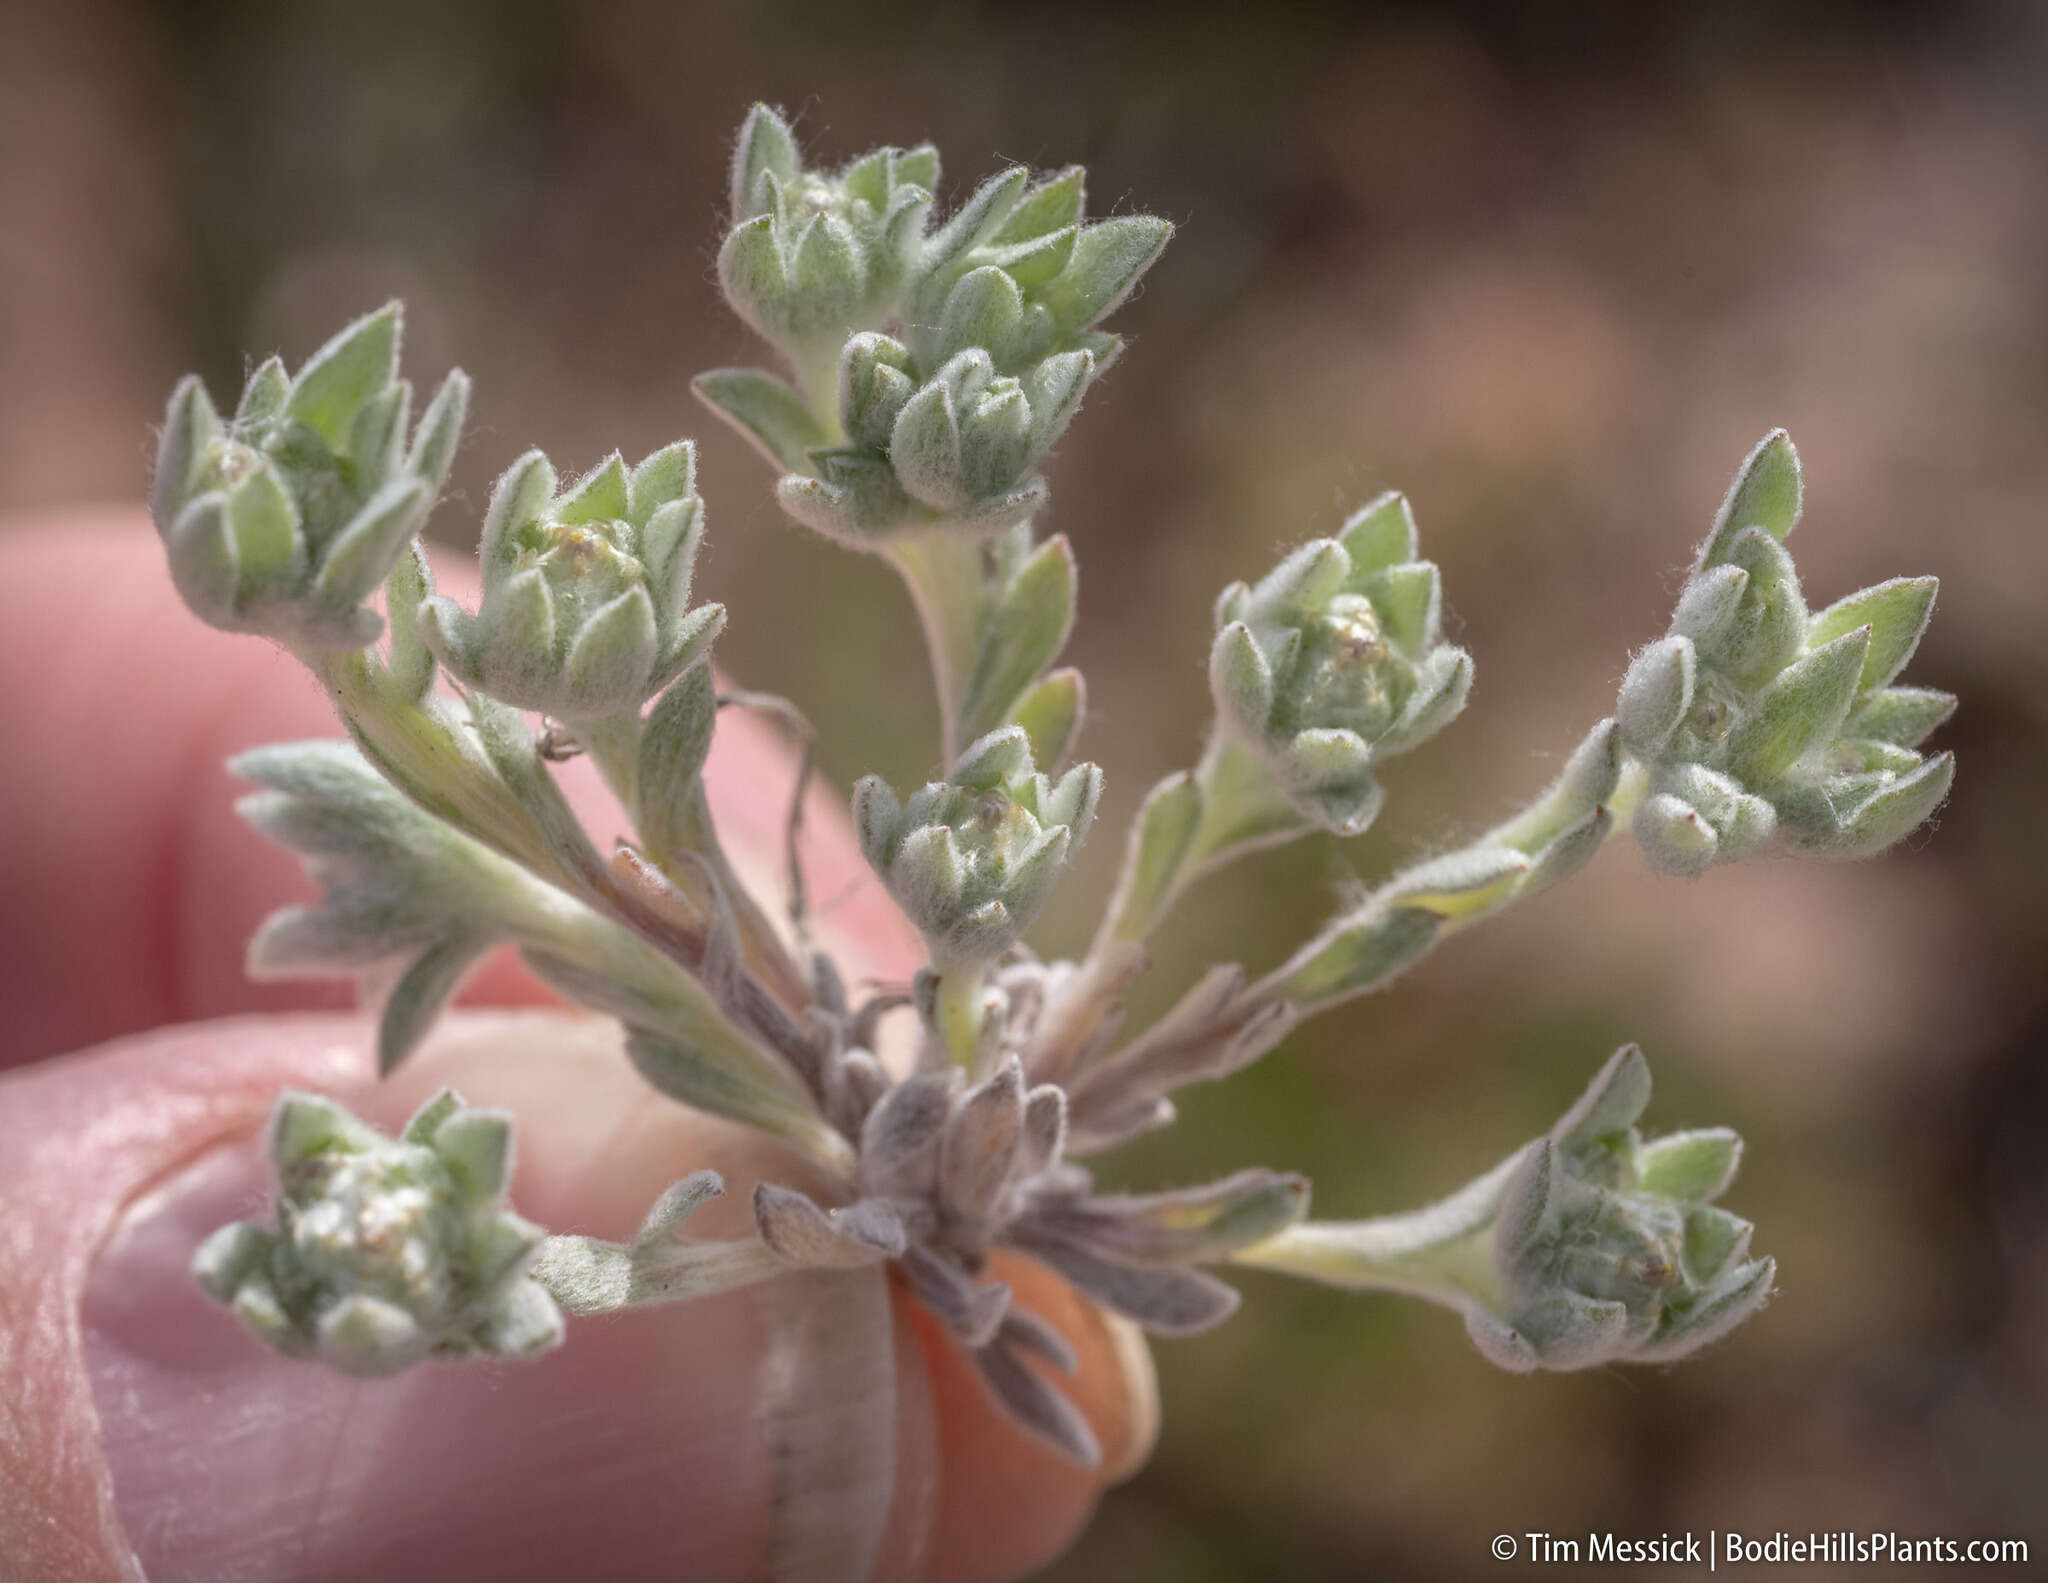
766,953
1191,825
1443,1254
959,1011
943,570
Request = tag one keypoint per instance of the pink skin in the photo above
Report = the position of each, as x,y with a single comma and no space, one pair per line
137,1422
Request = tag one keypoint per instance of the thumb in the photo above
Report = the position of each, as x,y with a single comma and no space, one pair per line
811,1427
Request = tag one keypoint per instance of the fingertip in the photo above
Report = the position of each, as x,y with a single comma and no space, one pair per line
122,819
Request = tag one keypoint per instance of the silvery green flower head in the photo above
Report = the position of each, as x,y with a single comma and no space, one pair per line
954,450
1760,719
1608,1248
1334,661
285,517
386,1251
973,858
965,364
814,255
586,593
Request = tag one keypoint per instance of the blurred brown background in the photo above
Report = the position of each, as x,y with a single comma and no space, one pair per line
1552,269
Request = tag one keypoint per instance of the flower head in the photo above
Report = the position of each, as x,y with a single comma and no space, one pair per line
386,1250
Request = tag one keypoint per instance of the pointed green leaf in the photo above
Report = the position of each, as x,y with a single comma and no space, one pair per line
421,1126
915,167
925,449
345,373
610,660
1442,684
1571,850
1322,758
523,1322
376,440
669,474
190,428
1051,714
1897,811
1692,1167
1768,628
673,747
518,498
1674,837
826,275
750,269
688,643
993,759
362,554
263,397
1379,534
1031,264
669,543
1897,613
766,413
1305,579
420,993
1586,782
1906,716
977,221
521,640
1032,880
476,1146
599,496
440,431
1612,1103
1460,884
304,1125
1054,387
1765,494
1072,800
1730,1301
1713,1238
765,144
1801,710
1109,258
270,551
1241,680
1160,840
229,1257
983,309
995,438
1408,599
824,508
1020,636
1053,204
201,552
1709,604
1361,953
1655,694
877,820
410,585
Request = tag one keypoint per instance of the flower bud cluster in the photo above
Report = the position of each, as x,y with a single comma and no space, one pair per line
586,593
1609,1248
814,255
1335,661
284,518
956,358
973,858
1592,1245
386,1251
1761,720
